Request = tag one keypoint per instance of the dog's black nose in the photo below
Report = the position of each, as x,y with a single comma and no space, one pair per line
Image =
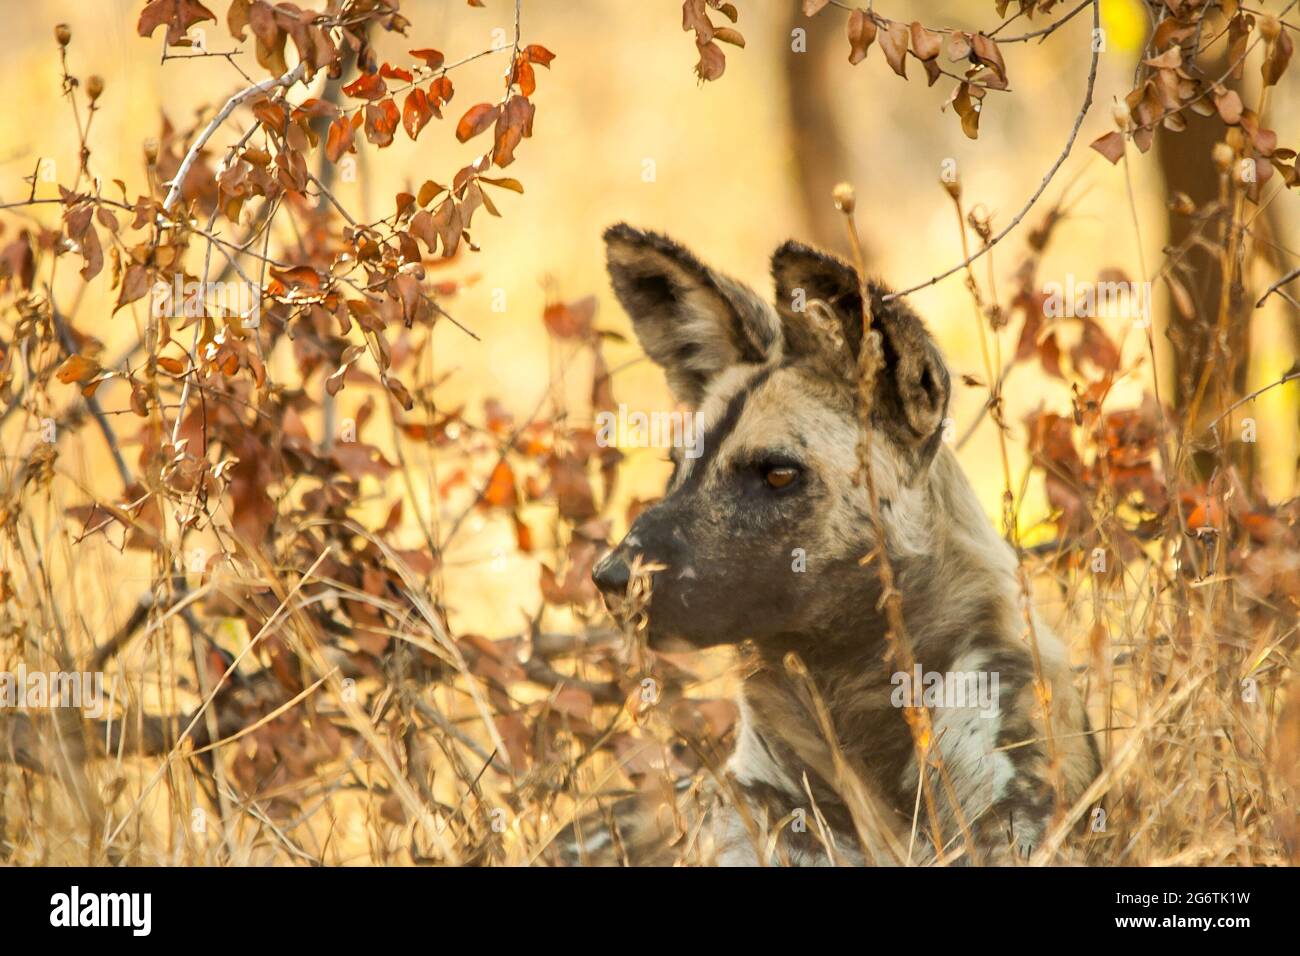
611,574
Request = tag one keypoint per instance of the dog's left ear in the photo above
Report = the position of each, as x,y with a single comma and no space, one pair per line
912,391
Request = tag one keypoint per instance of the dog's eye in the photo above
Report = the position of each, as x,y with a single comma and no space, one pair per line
780,476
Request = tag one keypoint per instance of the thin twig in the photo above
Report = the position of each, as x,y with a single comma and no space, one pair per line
1042,186
288,79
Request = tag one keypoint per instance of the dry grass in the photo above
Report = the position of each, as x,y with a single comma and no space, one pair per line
1189,675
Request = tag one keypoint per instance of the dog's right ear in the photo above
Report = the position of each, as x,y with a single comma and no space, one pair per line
913,390
691,321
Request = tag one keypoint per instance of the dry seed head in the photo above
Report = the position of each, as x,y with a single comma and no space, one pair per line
1222,155
1119,112
94,87
844,198
63,34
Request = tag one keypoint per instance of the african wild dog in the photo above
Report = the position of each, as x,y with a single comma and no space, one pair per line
780,471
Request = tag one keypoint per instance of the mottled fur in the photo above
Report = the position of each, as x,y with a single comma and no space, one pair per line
777,387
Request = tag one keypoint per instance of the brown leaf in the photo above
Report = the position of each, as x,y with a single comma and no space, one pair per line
571,320
298,276
440,91
1279,57
476,119
422,228
536,53
237,18
893,43
926,44
968,109
177,15
504,182
432,58
861,30
339,140
524,77
399,392
416,112
574,702
728,35
574,496
428,192
92,252
270,38
135,283
271,114
987,52
1171,59
713,62
18,261
959,46
77,368
78,224
1229,105
1111,145
447,223
514,123
368,86
381,122
390,72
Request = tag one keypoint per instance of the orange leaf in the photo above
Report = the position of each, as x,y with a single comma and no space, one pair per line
396,73
77,368
415,112
476,119
368,86
536,53
500,490
432,58
339,140
298,276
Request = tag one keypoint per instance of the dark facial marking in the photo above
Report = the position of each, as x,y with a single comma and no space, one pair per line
715,436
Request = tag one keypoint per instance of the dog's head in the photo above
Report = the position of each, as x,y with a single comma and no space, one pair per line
762,528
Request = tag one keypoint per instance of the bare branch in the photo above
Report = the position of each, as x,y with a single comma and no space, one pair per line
288,79
1042,186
